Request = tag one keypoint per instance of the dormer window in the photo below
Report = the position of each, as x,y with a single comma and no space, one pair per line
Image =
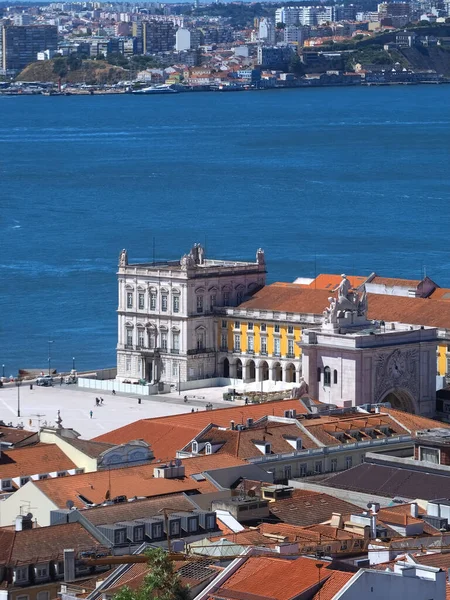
21,574
208,448
6,484
195,447
298,443
268,448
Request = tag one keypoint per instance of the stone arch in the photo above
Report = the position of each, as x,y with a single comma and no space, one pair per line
290,373
401,399
264,370
277,371
224,365
250,370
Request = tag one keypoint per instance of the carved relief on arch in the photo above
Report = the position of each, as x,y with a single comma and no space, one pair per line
164,290
140,288
129,324
128,286
213,289
226,288
176,291
200,290
150,325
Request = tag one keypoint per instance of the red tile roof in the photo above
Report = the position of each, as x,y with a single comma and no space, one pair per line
33,460
330,282
96,487
262,576
333,585
169,434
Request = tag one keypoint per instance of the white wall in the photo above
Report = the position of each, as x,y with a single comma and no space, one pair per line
182,39
26,499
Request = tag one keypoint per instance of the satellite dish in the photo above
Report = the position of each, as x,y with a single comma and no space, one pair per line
29,515
70,504
178,462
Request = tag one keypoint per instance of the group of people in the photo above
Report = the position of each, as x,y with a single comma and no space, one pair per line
98,401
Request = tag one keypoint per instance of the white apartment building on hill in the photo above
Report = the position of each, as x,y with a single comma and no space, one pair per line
167,322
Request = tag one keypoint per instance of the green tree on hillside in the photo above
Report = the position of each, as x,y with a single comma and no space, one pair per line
160,583
60,67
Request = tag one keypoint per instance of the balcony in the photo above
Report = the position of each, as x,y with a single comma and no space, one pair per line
224,348
237,350
193,351
174,351
263,353
290,355
278,354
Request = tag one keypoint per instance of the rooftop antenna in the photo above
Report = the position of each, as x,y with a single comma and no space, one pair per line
153,249
315,270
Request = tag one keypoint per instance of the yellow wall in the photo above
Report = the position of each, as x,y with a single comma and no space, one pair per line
257,337
442,359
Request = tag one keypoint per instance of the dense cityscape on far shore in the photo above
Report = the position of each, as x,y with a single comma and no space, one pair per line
159,48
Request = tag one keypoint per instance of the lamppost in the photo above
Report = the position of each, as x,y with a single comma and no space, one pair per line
50,342
73,363
18,382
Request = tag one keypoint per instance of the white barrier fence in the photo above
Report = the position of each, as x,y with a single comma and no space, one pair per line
108,385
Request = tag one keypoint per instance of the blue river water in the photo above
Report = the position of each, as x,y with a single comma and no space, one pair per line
325,180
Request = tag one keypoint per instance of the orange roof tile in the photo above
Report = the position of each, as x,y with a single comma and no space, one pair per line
261,576
330,282
169,434
333,585
393,281
414,423
131,481
33,460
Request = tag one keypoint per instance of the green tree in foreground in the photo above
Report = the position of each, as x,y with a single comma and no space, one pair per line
160,583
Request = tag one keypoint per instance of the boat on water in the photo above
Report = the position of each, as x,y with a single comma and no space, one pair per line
156,89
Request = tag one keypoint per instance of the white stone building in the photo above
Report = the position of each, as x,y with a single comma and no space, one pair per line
167,322
351,361
182,39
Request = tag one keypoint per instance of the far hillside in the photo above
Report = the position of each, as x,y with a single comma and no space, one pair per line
73,70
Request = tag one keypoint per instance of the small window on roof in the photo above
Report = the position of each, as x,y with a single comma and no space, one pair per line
198,477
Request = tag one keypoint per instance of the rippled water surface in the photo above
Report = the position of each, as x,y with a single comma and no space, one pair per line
331,180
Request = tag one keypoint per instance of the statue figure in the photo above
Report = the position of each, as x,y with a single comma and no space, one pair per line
331,312
59,420
123,258
260,258
301,390
186,261
344,288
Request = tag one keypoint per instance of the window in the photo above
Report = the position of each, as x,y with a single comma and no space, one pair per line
333,465
212,302
226,298
61,474
164,340
250,326
290,329
267,448
41,571
129,299
263,327
129,335
276,346
195,447
164,302
200,340
152,340
335,376
302,470
141,301
224,341
43,596
141,338
239,297
24,480
174,368
237,325
21,574
152,300
290,348
348,462
6,484
288,472
128,364
429,454
199,304
120,537
157,530
250,344
318,467
139,534
43,476
208,448
327,377
175,342
276,328
176,304
174,528
263,345
210,522
319,373
224,324
237,342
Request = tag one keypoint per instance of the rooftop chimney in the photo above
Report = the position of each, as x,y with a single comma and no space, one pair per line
336,520
373,526
414,510
232,425
69,565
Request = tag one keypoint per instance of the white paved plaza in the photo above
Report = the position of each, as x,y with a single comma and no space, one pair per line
41,405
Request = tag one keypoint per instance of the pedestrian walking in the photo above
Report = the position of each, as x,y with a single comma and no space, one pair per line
192,410
101,400
91,413
97,402
114,392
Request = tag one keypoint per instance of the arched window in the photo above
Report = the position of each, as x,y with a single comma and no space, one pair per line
319,373
335,376
195,447
208,448
327,376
